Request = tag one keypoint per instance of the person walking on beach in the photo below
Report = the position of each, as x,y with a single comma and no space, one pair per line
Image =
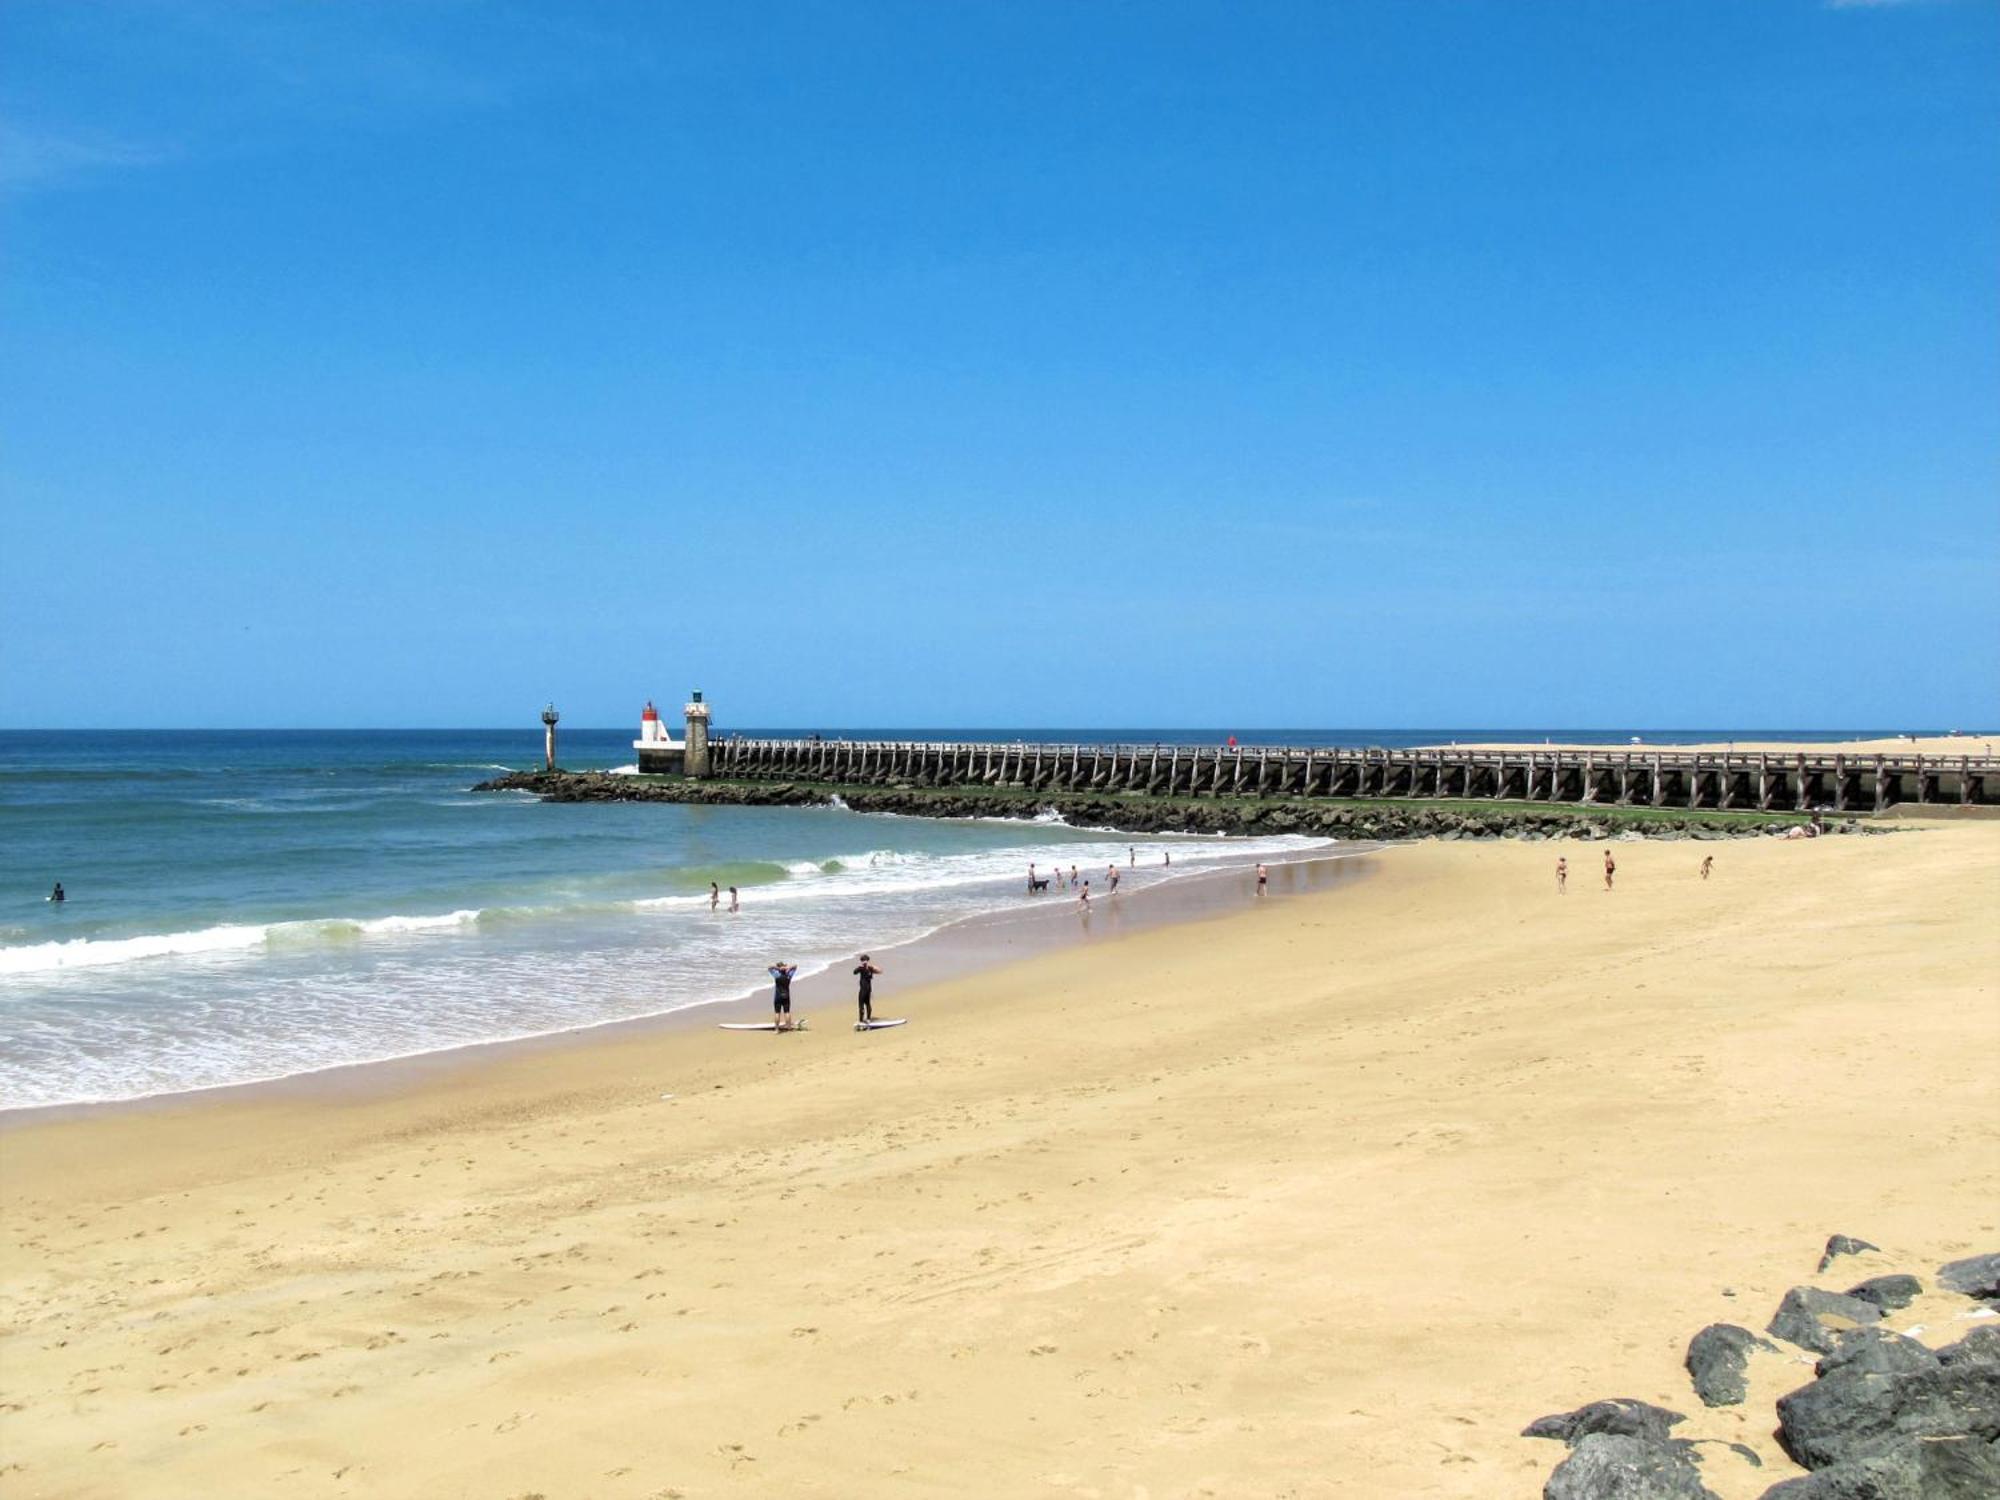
864,994
781,994
1562,875
1263,879
1111,878
1083,901
714,895
1610,868
1707,862
734,904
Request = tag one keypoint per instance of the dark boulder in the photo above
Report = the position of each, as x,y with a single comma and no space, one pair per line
1608,1466
1888,1292
1977,1276
1879,1391
1813,1319
1716,1359
1620,1416
1842,1244
1875,1351
1954,1468
1981,1346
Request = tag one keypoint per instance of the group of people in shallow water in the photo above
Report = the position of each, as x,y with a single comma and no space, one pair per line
1039,883
782,974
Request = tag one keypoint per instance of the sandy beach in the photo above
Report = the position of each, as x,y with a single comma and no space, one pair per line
1326,1197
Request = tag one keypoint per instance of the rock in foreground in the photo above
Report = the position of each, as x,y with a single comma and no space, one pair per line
1716,1360
1814,1319
1607,1466
1620,1416
1977,1276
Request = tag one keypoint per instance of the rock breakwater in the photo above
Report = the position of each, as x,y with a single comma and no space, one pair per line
1140,814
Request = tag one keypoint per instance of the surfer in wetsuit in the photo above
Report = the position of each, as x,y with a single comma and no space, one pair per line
781,994
864,995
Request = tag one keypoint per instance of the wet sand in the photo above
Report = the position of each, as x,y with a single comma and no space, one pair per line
1324,1197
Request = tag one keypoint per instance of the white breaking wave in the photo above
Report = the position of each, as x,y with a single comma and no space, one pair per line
631,770
92,953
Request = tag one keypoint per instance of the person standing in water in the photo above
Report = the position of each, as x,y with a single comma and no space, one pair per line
1132,855
1263,879
781,994
1072,877
1167,858
734,904
1111,878
1562,874
57,895
1083,900
864,993
714,895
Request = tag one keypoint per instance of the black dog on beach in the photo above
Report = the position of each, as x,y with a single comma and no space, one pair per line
1036,887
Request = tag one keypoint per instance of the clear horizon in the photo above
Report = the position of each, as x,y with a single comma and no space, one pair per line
1420,363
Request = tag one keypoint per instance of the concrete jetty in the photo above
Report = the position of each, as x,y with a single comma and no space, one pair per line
1694,779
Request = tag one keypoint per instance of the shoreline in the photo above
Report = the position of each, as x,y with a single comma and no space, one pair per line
959,946
1328,1199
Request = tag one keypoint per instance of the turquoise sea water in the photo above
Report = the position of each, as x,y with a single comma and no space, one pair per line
249,905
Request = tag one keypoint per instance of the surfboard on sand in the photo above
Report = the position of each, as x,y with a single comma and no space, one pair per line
760,1026
880,1025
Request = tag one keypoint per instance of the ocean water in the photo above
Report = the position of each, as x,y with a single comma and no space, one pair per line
254,905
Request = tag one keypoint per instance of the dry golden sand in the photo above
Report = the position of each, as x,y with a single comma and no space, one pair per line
1323,1199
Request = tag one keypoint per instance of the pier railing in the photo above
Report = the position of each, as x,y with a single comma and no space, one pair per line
1831,780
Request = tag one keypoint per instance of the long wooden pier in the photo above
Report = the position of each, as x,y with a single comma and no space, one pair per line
1723,779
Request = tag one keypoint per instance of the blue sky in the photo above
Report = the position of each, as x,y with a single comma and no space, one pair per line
1398,363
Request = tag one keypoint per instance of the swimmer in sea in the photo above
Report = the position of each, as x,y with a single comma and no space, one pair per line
57,895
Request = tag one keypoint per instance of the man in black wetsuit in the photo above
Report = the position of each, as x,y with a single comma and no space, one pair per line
865,973
781,994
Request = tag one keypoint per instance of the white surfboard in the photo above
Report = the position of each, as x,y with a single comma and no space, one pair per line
880,1025
760,1026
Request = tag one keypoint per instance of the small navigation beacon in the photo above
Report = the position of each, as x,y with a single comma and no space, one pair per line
696,760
